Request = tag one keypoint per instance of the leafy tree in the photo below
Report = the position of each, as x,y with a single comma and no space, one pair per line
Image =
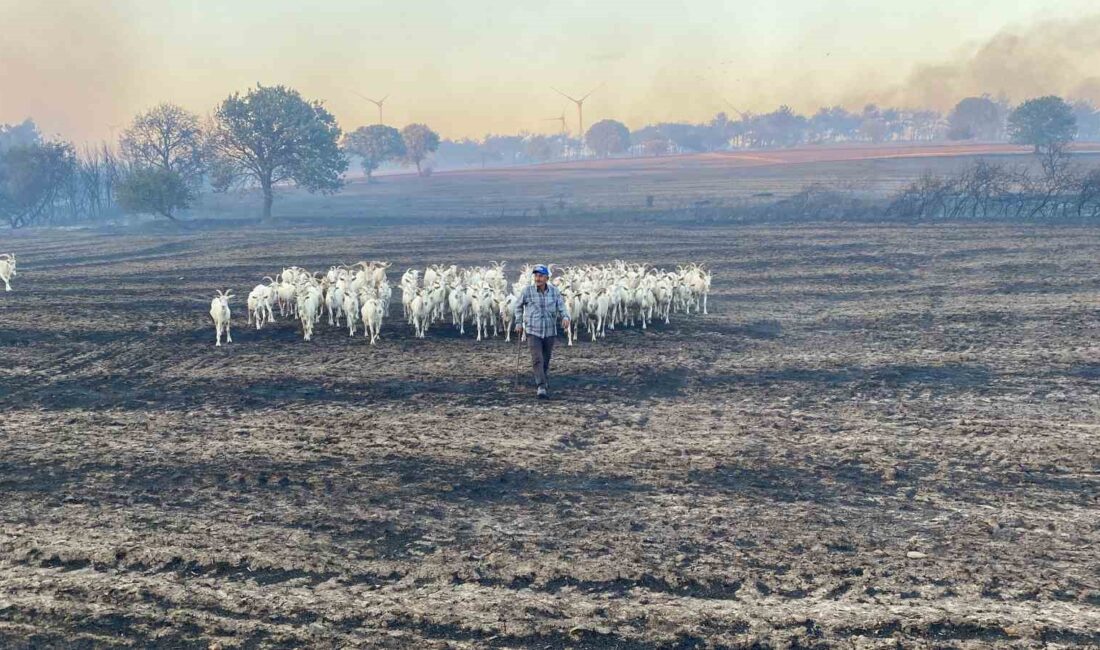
375,145
155,190
16,135
655,147
782,127
607,137
32,178
1046,123
168,137
272,135
875,129
974,117
834,123
537,148
419,142
1088,120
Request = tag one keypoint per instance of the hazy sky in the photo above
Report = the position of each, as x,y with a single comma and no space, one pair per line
470,67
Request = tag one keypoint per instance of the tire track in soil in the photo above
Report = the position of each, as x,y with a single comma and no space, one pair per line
724,455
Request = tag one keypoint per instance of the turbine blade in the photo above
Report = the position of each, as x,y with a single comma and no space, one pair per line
564,95
600,85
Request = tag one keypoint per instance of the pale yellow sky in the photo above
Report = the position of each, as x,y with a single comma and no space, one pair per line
82,69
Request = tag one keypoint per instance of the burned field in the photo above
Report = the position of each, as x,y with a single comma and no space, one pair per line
878,435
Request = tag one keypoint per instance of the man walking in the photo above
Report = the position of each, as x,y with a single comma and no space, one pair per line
537,310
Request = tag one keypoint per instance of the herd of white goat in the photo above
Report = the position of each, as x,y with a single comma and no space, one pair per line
598,296
358,296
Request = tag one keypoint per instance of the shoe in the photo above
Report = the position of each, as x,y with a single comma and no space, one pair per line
542,394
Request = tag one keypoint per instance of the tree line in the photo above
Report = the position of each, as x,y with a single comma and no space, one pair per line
271,136
972,119
264,138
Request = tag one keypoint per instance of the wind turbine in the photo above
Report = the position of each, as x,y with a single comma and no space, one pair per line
376,102
735,109
580,107
560,118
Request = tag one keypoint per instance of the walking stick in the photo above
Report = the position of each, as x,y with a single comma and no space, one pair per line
515,376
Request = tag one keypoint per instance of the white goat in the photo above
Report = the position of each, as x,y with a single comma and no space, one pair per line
259,303
7,269
351,310
372,318
219,311
309,307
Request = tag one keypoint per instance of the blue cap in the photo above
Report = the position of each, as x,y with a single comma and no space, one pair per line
541,269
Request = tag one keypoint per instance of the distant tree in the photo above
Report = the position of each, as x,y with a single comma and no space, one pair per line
655,147
832,124
32,178
508,149
375,145
718,132
272,135
167,137
875,129
1045,123
974,117
927,125
458,153
155,190
782,127
419,142
487,153
607,137
1088,120
688,137
23,134
537,148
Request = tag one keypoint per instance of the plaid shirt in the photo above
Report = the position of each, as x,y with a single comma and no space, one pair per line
543,310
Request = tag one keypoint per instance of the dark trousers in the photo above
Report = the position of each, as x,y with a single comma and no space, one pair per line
541,349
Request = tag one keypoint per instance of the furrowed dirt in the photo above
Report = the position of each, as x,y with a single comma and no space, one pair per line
879,435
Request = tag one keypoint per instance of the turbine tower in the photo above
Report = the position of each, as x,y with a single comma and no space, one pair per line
378,103
580,108
560,118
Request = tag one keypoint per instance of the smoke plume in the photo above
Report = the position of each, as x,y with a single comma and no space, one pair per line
1050,58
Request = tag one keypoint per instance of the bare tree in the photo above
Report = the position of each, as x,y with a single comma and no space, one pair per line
167,137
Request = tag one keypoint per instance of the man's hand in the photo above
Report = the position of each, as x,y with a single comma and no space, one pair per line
565,323
519,329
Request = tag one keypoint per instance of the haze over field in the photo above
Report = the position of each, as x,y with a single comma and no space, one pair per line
82,70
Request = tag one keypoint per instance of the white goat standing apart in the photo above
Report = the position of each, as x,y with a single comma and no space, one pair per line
219,311
7,269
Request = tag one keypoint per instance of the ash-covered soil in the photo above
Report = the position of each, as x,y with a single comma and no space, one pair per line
879,437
